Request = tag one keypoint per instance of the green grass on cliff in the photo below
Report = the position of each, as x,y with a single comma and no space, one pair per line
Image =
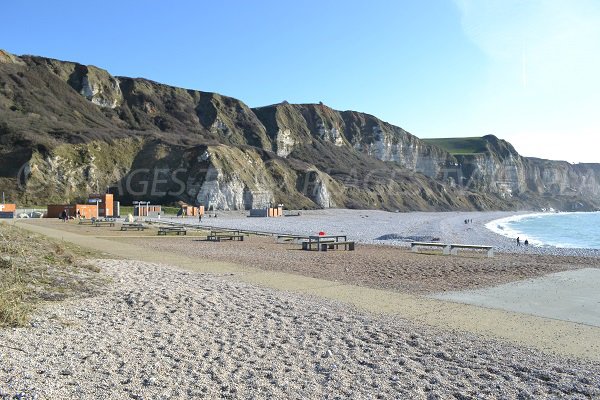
468,145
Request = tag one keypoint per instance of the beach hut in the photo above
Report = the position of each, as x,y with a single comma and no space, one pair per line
73,210
7,210
105,203
267,212
145,209
191,211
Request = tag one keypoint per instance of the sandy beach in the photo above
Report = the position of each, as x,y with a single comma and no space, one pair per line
229,325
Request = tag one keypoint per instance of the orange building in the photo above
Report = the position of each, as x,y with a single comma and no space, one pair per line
7,210
191,211
8,207
143,210
105,203
275,211
85,210
267,212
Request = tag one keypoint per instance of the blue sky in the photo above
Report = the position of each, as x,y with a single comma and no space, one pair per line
523,70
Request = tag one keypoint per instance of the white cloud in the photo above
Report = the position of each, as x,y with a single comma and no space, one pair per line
543,81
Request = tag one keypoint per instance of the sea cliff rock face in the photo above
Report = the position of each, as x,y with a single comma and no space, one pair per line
67,129
291,126
222,194
487,172
501,170
318,187
95,84
229,184
6,57
578,185
74,171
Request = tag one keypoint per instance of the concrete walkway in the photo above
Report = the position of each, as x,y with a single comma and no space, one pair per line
554,336
567,296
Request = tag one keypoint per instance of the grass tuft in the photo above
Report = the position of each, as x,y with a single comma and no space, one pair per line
34,269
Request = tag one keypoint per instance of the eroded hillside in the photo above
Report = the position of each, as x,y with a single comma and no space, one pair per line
67,129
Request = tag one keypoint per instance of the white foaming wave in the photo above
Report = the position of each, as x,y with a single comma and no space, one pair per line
501,227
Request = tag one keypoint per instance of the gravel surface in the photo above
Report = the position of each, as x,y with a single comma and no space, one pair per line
159,332
387,267
371,226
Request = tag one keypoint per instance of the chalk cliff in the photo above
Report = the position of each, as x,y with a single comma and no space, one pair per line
67,129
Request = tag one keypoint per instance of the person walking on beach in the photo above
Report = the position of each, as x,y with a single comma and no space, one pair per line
518,241
200,218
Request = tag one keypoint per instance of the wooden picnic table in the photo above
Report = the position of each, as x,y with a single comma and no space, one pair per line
103,223
225,231
163,230
217,237
319,240
137,226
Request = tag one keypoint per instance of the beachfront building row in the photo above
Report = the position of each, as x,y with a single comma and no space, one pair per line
97,206
104,206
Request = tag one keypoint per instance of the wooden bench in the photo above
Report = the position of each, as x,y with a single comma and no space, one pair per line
86,222
103,223
163,230
218,231
454,248
225,232
347,245
290,238
308,245
127,226
414,246
215,237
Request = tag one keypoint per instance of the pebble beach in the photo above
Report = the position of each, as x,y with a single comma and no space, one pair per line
157,331
387,228
161,333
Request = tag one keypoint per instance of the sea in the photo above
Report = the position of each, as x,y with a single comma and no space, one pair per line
568,230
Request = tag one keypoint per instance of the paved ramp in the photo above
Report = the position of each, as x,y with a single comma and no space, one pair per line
567,296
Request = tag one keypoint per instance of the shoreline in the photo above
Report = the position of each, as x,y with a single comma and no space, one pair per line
393,229
536,246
